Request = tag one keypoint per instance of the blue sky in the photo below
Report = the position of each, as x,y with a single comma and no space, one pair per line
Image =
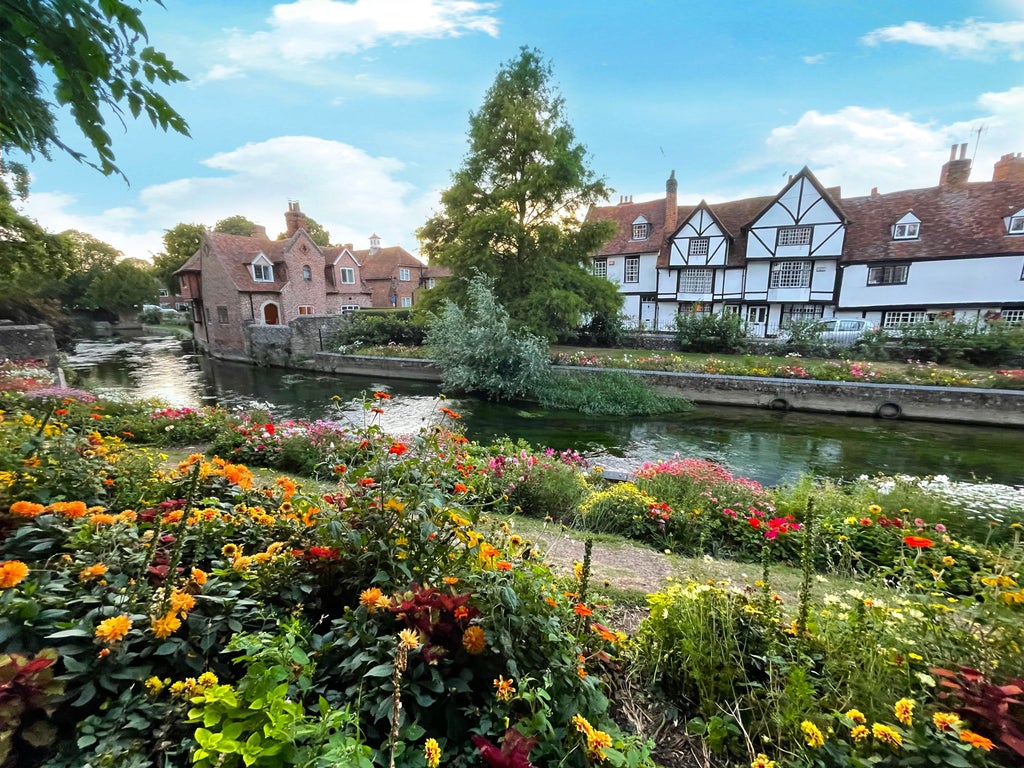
358,109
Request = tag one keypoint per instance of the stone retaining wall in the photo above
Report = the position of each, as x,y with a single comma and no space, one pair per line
996,407
29,342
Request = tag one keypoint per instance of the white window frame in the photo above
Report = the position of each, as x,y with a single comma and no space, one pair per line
164,293
431,283
345,308
347,272
631,270
306,309
910,230
888,274
903,317
405,301
641,228
1015,226
731,309
696,280
403,275
698,246
222,315
792,312
757,314
790,274
182,306
1012,316
600,268
794,236
262,273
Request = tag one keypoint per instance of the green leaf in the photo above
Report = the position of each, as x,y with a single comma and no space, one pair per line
387,669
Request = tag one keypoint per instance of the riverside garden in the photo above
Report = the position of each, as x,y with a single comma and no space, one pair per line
325,594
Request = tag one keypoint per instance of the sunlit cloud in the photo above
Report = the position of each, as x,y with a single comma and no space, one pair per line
969,38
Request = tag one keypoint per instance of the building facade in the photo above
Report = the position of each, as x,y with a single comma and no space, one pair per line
955,250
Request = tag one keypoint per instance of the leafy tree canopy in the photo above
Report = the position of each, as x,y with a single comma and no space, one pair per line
316,232
180,243
123,288
28,253
513,210
94,57
90,258
235,225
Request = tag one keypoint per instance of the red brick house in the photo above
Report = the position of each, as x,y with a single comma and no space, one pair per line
393,275
237,281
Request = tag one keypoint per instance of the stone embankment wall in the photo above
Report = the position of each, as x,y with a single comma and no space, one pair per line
289,346
29,342
996,407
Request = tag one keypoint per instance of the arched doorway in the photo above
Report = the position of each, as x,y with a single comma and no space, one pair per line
270,314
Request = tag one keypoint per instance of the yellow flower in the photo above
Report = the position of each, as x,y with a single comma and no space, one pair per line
229,550
473,640
12,573
887,735
410,638
505,688
164,626
597,742
182,602
154,685
432,752
762,761
371,598
874,509
945,721
857,716
207,679
113,629
91,572
199,576
904,710
582,725
859,732
812,735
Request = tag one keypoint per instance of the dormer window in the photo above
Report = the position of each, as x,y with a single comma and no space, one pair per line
1015,223
641,229
907,228
262,269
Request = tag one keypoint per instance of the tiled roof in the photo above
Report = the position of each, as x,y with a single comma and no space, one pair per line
383,263
967,222
624,214
237,252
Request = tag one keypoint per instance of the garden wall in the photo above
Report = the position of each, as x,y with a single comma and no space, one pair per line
29,342
997,407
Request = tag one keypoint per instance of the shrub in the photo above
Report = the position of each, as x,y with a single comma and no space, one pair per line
612,393
803,335
710,332
478,350
380,327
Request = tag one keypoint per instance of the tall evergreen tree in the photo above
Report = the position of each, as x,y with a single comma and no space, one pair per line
513,210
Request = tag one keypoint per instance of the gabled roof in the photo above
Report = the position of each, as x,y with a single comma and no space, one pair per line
624,214
826,194
966,222
733,217
383,263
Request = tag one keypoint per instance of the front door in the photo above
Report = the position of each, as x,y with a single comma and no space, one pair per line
270,315
757,321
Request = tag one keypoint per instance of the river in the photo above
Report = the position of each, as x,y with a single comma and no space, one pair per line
768,446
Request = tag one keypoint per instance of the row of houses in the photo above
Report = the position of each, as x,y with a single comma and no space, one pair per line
955,250
234,281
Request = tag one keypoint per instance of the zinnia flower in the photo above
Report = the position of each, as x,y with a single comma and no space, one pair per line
812,735
113,629
582,724
164,626
762,761
397,449
918,542
582,610
473,640
904,710
859,732
12,573
857,716
432,753
945,721
976,740
26,509
887,735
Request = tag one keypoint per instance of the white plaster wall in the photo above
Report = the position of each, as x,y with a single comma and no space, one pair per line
994,279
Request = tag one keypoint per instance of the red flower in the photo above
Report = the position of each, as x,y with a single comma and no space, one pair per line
918,542
381,396
398,449
269,428
514,752
460,488
366,481
754,522
377,410
582,610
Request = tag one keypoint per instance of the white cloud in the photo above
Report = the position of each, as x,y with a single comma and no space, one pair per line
862,148
815,59
308,32
351,193
970,38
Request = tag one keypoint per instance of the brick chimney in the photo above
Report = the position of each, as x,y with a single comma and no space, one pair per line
294,219
671,204
956,171
258,230
1009,168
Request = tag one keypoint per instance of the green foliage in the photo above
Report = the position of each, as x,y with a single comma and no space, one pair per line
512,210
180,243
478,351
29,254
316,233
91,51
710,332
803,336
235,225
612,393
944,341
125,286
378,328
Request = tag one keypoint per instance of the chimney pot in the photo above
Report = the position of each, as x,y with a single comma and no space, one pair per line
963,151
874,191
671,204
952,153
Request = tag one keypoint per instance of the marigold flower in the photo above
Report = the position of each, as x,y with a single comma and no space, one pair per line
945,721
812,735
397,449
70,509
904,711
91,572
432,753
164,626
857,716
199,576
762,761
597,742
503,565
26,509
410,638
370,598
887,735
976,740
12,573
918,542
182,602
859,732
113,629
474,640
582,610
505,688
581,724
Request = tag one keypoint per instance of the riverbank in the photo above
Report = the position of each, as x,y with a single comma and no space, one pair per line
958,405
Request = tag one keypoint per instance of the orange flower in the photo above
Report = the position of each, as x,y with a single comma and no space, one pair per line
582,610
976,740
397,449
918,542
91,572
366,481
503,565
461,612
198,576
113,629
505,689
551,601
182,602
26,509
460,488
164,626
12,573
451,580
381,396
370,598
70,509
904,711
474,640
606,634
945,721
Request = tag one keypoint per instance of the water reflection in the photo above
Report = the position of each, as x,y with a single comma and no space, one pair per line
769,446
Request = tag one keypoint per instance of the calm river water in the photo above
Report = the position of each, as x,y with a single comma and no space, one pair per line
764,445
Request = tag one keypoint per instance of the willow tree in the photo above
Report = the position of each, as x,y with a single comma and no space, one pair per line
513,210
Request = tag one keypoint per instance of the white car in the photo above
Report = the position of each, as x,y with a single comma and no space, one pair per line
839,330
